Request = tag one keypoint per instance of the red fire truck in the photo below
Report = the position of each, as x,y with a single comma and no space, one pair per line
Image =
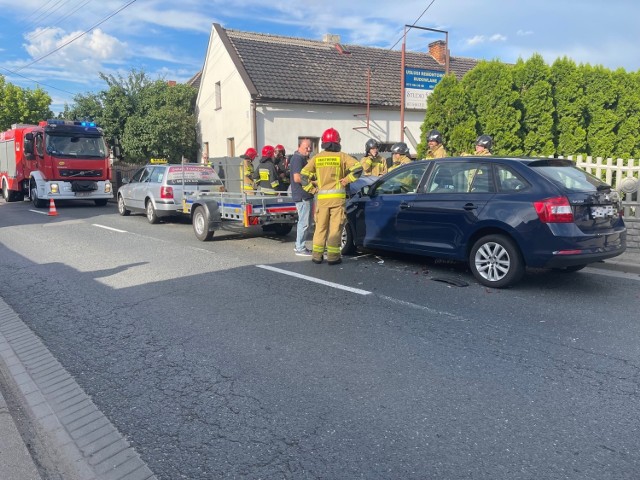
59,159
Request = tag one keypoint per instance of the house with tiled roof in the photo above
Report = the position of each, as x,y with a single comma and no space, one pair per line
257,89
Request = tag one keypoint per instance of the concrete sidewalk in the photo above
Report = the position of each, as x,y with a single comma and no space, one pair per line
16,462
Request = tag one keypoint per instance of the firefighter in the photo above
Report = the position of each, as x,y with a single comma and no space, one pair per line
436,149
399,152
372,163
333,170
282,167
247,170
484,144
266,174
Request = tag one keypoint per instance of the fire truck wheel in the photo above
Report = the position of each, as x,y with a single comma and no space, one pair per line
152,216
34,198
122,209
200,225
6,194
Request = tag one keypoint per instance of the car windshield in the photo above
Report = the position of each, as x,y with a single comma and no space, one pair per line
200,175
74,146
569,177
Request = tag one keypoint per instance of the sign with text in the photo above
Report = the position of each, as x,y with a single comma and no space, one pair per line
418,84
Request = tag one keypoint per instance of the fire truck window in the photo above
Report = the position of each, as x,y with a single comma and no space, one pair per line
39,149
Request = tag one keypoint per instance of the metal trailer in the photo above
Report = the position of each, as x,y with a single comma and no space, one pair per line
236,209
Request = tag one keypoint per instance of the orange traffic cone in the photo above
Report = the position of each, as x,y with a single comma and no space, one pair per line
52,209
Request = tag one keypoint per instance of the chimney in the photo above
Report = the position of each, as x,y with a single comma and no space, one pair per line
438,50
331,38
171,83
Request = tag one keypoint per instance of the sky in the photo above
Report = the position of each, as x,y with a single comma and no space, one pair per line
61,46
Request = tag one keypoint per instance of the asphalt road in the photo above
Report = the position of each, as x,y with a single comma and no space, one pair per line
228,359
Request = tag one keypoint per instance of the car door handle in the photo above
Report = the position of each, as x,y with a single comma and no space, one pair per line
470,206
404,205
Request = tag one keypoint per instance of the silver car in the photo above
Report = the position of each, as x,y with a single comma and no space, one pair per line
157,190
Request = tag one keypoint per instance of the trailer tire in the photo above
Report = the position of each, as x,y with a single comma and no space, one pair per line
201,225
101,202
282,229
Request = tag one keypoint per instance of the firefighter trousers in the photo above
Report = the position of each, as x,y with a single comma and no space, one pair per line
329,224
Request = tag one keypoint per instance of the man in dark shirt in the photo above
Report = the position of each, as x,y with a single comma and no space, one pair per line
303,199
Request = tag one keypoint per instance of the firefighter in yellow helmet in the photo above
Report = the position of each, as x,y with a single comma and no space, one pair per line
399,153
436,149
333,171
373,163
248,184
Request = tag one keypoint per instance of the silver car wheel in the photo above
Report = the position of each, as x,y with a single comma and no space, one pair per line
492,261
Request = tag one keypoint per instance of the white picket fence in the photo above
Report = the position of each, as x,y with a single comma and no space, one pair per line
623,175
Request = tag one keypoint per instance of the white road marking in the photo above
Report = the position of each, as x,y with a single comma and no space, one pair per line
315,280
108,228
40,212
612,273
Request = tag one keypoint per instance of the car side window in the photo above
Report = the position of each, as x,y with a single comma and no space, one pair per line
136,176
480,178
402,182
146,175
509,181
157,175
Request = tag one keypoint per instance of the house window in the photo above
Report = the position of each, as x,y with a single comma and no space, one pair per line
231,147
218,96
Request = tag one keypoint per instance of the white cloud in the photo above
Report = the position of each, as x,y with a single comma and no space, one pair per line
524,33
497,38
478,39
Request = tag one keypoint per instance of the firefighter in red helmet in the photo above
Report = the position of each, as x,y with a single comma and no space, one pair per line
247,170
266,174
333,170
282,167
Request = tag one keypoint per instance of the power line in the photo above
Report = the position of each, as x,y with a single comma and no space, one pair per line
59,20
36,81
413,24
77,36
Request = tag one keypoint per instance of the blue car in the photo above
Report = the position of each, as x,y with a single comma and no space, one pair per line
500,215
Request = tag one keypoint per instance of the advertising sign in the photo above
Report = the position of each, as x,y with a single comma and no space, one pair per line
418,84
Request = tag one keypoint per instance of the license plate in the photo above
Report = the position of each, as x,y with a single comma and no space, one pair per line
83,194
602,211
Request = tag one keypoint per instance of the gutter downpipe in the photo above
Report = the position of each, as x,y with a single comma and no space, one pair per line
402,79
254,124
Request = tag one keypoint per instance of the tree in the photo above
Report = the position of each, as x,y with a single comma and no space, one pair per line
627,110
531,79
85,107
19,105
601,94
490,89
567,88
449,111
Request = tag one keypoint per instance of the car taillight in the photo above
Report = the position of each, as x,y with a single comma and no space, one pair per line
166,192
554,210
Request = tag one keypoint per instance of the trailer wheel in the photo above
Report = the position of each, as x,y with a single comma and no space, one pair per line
200,225
282,229
101,202
152,216
35,199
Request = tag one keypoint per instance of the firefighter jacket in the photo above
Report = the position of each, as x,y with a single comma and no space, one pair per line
267,176
329,168
438,152
247,174
375,166
403,160
484,153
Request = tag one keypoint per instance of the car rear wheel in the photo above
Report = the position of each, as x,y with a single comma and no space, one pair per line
152,216
122,208
496,262
347,246
200,225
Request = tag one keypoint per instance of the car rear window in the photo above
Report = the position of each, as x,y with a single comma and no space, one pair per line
568,176
192,175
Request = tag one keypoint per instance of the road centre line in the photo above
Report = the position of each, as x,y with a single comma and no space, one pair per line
108,228
315,280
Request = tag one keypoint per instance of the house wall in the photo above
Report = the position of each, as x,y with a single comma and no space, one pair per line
233,119
283,124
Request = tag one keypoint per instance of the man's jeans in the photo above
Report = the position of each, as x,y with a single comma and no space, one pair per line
304,218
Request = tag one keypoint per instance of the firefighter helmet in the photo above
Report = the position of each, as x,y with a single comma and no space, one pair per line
484,141
331,135
434,136
267,151
251,153
400,148
371,143
279,147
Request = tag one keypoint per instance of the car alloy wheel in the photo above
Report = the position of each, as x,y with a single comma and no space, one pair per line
496,262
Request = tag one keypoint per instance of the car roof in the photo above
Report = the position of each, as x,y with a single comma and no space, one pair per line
531,161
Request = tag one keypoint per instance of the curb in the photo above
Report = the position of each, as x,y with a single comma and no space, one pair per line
79,437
